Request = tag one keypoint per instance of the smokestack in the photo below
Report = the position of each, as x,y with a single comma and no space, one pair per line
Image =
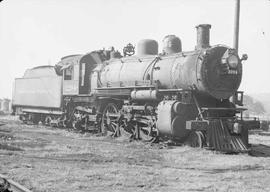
236,25
203,37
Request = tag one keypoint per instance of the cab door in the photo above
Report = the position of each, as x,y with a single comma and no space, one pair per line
87,63
84,80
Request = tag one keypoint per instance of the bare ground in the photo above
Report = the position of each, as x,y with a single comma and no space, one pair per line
50,159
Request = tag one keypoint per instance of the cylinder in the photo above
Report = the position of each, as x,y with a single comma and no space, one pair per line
177,107
147,47
173,125
171,44
203,36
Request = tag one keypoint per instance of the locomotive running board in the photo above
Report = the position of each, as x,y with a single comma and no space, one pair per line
44,111
219,138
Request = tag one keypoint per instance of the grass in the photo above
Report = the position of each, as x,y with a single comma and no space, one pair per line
58,160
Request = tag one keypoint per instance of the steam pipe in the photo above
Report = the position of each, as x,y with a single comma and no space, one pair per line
236,25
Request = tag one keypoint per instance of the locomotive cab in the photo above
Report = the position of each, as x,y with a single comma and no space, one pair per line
70,70
86,65
77,71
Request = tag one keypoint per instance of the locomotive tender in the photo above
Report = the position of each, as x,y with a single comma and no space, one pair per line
189,97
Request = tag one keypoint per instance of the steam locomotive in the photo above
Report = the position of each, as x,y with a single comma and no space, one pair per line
187,97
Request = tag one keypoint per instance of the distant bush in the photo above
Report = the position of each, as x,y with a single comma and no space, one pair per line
255,107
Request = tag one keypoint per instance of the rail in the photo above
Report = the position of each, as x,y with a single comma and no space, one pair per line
8,185
2,123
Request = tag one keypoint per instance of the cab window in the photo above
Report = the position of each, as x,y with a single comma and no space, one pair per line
68,73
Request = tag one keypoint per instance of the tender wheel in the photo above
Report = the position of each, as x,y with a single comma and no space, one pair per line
110,120
62,122
33,118
23,118
36,119
48,121
196,139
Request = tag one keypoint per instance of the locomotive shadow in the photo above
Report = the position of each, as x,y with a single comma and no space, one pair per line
259,150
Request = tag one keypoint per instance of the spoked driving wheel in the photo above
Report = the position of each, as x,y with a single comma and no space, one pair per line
48,121
137,131
110,120
146,134
196,139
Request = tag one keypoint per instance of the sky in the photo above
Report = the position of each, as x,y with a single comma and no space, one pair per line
40,32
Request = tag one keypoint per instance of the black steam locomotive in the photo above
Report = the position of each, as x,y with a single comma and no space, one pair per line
188,97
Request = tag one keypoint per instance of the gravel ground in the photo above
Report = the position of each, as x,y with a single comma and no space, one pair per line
50,159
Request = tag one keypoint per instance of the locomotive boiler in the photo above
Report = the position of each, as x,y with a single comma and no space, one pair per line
214,71
188,97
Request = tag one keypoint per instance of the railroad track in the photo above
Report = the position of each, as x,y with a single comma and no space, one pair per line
8,185
2,123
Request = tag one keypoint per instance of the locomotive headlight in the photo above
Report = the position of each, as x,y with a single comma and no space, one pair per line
232,61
